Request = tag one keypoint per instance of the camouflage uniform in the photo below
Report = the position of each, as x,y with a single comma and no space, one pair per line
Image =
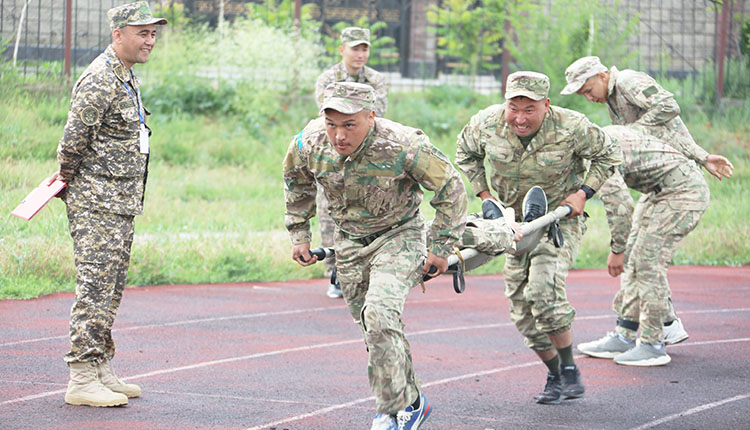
375,195
488,236
637,100
101,162
338,73
555,160
675,195
367,75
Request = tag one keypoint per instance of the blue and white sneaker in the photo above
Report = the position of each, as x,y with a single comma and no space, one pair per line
384,422
410,419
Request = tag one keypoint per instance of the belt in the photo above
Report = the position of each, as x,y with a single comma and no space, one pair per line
367,240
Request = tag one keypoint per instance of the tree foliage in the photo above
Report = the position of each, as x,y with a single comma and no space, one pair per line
470,31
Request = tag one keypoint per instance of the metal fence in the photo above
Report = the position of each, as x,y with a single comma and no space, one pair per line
677,38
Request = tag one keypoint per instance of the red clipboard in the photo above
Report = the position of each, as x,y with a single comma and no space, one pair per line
36,200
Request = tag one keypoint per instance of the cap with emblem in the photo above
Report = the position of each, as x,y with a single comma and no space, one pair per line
137,13
580,71
353,36
527,84
348,97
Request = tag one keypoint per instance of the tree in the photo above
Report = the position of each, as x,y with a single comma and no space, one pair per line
470,30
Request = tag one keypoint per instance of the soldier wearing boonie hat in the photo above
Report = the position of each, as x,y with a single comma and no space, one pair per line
103,157
527,142
634,99
355,51
373,170
580,71
137,13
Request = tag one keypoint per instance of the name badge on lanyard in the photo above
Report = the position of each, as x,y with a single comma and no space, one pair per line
142,131
143,139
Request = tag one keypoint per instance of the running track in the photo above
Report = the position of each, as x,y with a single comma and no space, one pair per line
284,356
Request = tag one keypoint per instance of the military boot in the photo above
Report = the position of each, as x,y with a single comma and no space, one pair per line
85,388
106,374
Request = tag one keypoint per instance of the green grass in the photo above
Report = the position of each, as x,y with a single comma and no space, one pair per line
214,202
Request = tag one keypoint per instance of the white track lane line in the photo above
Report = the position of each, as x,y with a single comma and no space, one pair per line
691,411
301,311
214,319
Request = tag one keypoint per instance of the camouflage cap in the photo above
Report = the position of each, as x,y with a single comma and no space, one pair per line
348,97
580,71
137,13
353,36
527,84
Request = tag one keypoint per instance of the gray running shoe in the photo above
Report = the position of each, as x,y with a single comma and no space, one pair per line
644,355
609,346
674,333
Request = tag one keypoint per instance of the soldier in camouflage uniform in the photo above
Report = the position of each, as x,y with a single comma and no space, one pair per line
103,158
527,142
638,101
372,170
674,196
355,51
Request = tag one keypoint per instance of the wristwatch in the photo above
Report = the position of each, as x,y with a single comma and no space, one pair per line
589,192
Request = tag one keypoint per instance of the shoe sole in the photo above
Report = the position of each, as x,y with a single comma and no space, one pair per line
551,402
659,361
77,401
676,341
601,354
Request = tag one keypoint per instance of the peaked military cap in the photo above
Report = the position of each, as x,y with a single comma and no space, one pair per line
137,13
527,84
353,36
348,97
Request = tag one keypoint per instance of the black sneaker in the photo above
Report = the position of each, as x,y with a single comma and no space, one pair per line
534,204
490,210
552,390
572,387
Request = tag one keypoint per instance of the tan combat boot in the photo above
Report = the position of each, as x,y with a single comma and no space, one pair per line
84,388
106,374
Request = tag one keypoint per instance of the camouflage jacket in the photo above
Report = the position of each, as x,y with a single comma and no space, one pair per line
659,171
367,75
375,187
99,153
554,159
636,99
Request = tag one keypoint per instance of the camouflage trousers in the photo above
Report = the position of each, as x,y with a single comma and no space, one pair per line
488,236
535,285
327,228
375,281
101,247
644,296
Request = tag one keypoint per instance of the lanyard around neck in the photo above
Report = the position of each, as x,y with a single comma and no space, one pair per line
136,101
